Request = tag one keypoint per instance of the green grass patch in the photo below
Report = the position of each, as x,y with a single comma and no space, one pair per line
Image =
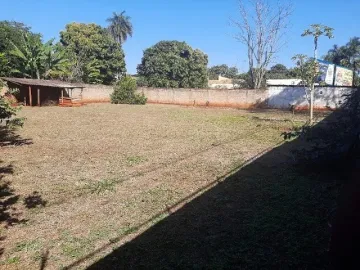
102,186
228,119
75,247
127,230
13,260
27,246
135,160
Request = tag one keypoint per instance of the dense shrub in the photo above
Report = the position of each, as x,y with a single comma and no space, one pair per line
124,92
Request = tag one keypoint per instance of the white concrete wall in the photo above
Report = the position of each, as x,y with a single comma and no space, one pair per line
281,97
93,93
242,98
284,97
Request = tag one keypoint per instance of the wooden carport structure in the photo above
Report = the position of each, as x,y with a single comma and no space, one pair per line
54,90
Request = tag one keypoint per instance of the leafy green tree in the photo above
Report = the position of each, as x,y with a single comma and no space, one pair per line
120,27
124,92
348,56
11,32
222,70
352,54
94,56
4,65
336,55
316,31
307,70
278,71
174,64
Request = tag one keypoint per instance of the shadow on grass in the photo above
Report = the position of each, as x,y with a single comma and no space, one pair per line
10,215
272,213
8,137
34,200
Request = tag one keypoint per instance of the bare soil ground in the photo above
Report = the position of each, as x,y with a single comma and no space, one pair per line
90,179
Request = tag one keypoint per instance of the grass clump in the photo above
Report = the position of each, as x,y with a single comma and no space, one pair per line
134,160
27,246
102,186
13,260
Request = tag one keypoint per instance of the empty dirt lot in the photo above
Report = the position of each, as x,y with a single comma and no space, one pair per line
80,182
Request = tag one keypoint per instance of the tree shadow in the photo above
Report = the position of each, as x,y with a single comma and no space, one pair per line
8,213
272,213
8,137
34,200
44,259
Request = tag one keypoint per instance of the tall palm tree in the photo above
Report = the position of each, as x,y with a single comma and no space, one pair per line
353,52
335,55
120,27
345,55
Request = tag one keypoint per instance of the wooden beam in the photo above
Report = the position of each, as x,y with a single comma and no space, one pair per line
30,96
38,97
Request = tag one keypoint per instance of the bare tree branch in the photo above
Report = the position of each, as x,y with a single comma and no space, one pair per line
261,28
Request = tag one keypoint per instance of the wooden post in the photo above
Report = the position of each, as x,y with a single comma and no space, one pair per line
30,96
24,100
62,96
38,97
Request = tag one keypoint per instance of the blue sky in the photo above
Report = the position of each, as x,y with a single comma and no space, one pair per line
204,24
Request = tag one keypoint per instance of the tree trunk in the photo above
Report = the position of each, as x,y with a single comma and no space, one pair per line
312,104
354,73
313,85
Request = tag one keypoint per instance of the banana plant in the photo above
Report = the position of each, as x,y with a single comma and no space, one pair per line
30,56
56,65
38,60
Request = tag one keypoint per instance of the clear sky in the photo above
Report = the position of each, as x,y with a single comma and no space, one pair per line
203,24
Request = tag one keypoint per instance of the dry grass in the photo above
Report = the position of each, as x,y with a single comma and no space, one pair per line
99,171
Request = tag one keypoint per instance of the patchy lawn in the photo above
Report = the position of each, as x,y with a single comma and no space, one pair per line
90,179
